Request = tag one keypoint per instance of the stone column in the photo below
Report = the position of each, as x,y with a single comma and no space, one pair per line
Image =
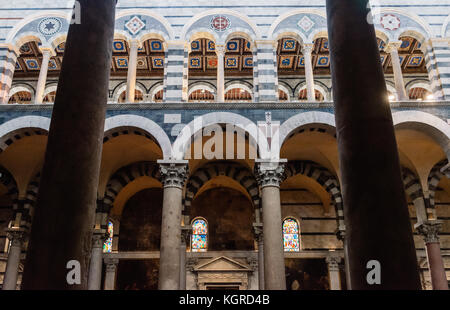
269,176
220,51
95,266
185,238
333,271
40,88
430,232
259,235
110,274
65,207
377,223
392,49
17,237
173,177
132,69
255,76
309,74
8,56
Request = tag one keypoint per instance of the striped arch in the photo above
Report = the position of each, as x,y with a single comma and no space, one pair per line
123,177
326,179
7,180
235,171
435,177
412,184
413,188
21,127
27,208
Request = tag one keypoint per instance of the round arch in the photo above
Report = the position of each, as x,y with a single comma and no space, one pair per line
427,123
31,125
201,86
300,120
183,141
187,33
234,171
151,14
145,124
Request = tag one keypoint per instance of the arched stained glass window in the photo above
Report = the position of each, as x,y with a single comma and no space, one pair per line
291,235
107,246
199,239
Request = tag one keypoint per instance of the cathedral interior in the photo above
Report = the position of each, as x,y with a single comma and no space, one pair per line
266,70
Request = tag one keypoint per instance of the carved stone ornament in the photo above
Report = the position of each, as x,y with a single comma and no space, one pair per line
173,174
270,174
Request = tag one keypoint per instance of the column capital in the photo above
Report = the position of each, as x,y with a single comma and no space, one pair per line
258,231
111,264
98,238
135,43
174,173
16,235
47,50
340,234
191,263
393,46
333,262
185,234
270,173
307,48
429,230
220,49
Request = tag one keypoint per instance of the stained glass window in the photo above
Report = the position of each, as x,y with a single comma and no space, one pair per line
107,246
199,235
291,235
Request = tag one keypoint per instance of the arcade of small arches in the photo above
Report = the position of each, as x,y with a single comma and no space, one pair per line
138,171
206,66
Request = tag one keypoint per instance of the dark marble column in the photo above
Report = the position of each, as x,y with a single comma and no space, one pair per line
65,208
377,221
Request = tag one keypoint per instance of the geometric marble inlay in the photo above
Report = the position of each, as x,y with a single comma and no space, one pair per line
306,23
134,25
49,26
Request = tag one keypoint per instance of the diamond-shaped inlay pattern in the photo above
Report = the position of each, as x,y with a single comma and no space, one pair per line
135,25
306,23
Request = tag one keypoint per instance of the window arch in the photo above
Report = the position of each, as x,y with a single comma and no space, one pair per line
107,246
291,235
199,239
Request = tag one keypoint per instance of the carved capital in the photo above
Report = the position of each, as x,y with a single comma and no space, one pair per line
99,237
340,234
307,48
429,230
111,264
258,231
191,263
392,47
253,263
270,173
173,173
17,236
333,262
185,234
